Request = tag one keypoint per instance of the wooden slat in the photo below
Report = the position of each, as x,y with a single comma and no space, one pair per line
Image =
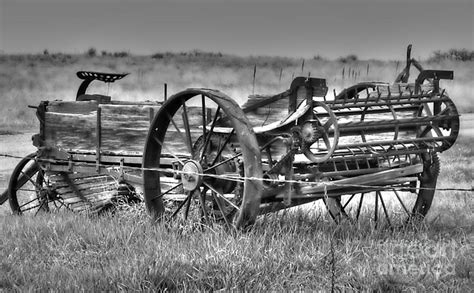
70,131
72,107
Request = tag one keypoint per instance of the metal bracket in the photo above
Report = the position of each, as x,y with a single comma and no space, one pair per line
436,75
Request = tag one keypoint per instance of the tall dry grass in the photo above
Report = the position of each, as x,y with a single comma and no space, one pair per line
287,251
28,79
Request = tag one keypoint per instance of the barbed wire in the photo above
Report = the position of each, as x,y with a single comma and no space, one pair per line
239,178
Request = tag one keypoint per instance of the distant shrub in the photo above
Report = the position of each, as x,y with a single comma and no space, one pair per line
199,53
318,57
45,52
91,52
158,56
452,54
104,53
121,54
348,58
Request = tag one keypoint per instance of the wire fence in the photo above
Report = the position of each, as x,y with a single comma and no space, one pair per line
325,184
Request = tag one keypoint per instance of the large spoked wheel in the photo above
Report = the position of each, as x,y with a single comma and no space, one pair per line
29,191
395,205
202,162
444,125
321,134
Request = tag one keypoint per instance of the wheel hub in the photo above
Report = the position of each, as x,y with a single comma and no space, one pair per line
311,131
192,175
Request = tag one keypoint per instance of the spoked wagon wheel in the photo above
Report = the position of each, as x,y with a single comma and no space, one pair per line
394,205
29,191
202,162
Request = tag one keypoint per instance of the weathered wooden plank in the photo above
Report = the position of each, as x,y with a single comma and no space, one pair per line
117,111
365,179
72,107
69,131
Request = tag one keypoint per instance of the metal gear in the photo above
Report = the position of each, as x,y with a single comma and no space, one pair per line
309,132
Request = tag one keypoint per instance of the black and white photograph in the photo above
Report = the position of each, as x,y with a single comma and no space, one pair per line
236,145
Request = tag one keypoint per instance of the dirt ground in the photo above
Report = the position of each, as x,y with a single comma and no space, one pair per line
20,145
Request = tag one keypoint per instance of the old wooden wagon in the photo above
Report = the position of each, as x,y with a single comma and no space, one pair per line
199,156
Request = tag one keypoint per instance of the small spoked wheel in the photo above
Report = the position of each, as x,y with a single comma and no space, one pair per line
320,135
29,191
397,205
201,160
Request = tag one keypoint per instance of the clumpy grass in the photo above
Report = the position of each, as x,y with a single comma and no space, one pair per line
284,251
297,249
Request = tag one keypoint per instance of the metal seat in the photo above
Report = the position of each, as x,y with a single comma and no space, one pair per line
90,76
101,76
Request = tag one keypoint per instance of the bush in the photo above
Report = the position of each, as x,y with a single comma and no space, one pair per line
158,56
452,54
92,52
348,58
121,54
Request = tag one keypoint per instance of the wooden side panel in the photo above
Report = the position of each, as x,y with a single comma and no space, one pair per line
124,127
72,126
71,131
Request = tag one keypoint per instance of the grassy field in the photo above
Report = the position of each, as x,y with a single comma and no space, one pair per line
298,250
28,79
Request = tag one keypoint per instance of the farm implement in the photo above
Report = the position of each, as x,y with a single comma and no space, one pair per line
198,156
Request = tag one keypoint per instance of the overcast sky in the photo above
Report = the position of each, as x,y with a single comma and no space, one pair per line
298,28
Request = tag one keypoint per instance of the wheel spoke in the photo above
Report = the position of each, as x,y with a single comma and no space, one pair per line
328,124
221,195
326,141
401,202
187,129
63,204
348,201
202,200
55,205
208,137
29,178
427,109
425,131
360,205
221,149
437,130
168,191
203,102
28,190
41,205
188,205
376,208
384,208
30,172
30,208
223,162
181,205
168,150
28,202
442,112
220,208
